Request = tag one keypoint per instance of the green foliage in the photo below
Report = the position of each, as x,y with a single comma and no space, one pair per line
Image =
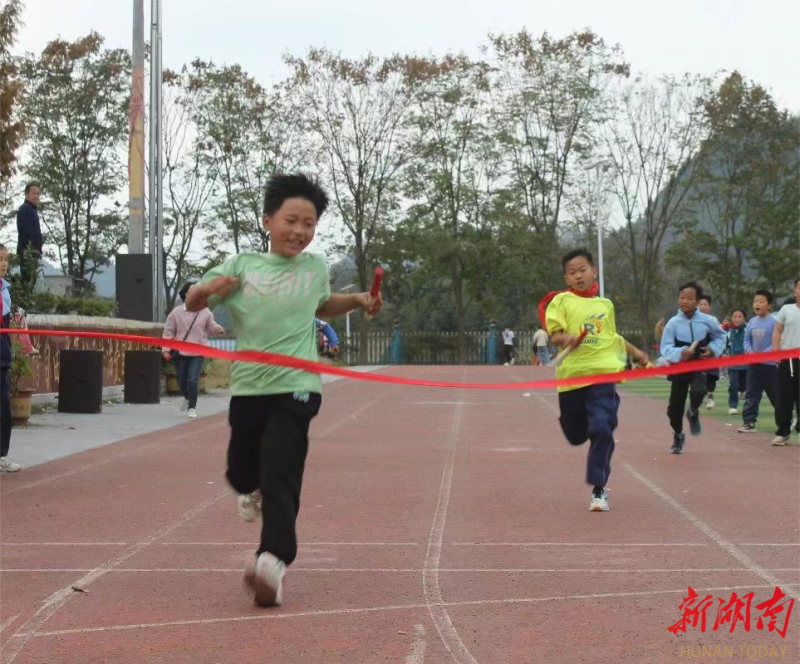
21,367
11,127
76,111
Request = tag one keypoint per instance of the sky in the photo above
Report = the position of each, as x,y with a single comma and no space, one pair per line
699,36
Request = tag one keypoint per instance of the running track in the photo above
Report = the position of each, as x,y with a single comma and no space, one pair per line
437,526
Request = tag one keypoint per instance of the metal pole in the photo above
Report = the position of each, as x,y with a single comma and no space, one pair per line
160,220
136,141
155,185
600,256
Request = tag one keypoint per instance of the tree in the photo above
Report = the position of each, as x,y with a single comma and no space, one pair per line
247,133
653,146
76,111
742,228
355,109
188,183
454,169
549,95
11,127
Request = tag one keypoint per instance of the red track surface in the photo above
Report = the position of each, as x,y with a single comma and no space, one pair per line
437,526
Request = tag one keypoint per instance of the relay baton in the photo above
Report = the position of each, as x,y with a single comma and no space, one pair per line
560,357
375,290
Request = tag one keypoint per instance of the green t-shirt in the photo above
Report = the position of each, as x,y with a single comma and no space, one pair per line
273,311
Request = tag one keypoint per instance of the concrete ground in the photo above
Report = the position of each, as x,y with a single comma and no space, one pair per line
52,435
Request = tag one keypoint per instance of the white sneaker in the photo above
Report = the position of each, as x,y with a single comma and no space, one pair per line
250,506
513,361
7,466
192,413
505,364
780,440
599,503
710,405
184,406
264,577
732,411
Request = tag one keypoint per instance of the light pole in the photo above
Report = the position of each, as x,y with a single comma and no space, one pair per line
603,164
347,327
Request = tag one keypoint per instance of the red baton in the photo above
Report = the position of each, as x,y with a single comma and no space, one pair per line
376,288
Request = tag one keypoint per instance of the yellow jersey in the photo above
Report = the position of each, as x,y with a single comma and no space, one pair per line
602,349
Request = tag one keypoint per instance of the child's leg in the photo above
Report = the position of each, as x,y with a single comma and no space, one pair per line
677,402
5,412
248,418
698,388
787,396
284,447
194,367
752,396
602,405
573,419
769,379
733,388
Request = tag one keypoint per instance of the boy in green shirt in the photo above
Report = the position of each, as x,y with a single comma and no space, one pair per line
588,413
274,299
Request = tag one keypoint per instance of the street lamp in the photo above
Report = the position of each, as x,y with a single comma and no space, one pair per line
347,326
603,164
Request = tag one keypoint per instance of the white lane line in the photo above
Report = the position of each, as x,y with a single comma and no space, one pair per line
404,570
8,622
116,457
417,653
306,545
430,577
61,597
274,615
578,544
723,543
794,544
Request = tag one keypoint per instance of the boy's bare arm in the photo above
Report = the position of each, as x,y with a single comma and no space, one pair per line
197,297
341,303
777,333
639,355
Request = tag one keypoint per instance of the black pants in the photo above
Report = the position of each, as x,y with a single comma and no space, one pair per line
695,387
760,378
712,378
590,413
508,352
788,396
268,448
5,411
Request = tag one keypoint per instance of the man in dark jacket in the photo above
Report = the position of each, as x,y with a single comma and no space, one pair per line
29,235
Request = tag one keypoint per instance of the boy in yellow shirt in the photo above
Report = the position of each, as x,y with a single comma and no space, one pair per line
590,412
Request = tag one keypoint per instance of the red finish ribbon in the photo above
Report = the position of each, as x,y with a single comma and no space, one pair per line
318,367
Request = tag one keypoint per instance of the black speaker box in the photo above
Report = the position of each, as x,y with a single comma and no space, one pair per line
142,376
80,381
135,286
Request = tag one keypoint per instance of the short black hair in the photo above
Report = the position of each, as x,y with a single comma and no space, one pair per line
764,293
576,253
796,281
707,298
698,289
741,311
3,247
185,289
296,185
30,186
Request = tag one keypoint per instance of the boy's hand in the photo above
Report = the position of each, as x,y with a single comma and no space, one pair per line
686,355
219,330
642,358
706,352
370,305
